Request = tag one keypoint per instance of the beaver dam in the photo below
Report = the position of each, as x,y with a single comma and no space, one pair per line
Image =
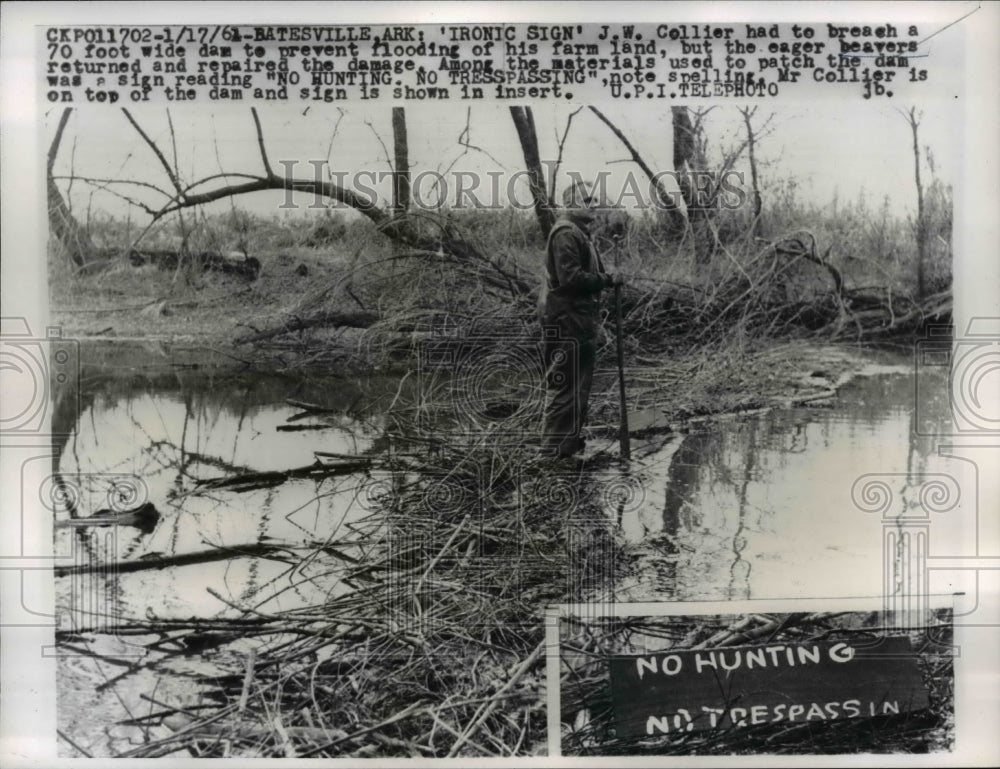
302,565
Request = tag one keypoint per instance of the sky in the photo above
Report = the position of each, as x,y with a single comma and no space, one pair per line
828,150
833,145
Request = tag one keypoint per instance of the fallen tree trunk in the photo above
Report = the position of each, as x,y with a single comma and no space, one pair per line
360,319
881,319
233,263
275,551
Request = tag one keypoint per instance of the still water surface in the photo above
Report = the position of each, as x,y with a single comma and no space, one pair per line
761,505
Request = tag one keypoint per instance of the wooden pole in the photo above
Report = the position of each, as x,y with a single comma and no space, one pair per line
623,439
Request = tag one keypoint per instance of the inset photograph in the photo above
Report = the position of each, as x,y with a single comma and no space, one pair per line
809,682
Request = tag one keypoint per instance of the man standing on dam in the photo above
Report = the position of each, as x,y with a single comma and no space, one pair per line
570,314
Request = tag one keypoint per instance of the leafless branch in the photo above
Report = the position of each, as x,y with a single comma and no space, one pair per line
559,156
385,150
260,143
105,186
661,193
466,145
333,135
155,149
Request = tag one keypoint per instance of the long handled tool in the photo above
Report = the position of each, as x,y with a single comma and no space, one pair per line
623,439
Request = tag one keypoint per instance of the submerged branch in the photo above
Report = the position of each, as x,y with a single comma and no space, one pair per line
249,550
270,479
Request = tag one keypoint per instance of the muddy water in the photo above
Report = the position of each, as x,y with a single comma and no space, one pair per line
164,439
760,505
799,502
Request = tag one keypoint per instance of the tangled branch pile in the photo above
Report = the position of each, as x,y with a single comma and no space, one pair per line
779,289
428,639
751,290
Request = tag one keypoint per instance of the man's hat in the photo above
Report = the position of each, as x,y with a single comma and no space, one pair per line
577,194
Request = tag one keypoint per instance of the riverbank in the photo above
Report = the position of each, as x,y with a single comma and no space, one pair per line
663,394
150,319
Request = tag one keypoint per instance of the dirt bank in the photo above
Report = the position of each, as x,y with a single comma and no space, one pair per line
149,318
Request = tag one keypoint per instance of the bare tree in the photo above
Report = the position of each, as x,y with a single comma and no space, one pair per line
424,236
401,169
399,228
524,122
748,114
73,237
689,158
913,118
691,165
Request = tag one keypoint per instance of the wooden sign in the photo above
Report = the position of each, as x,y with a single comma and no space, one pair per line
778,683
